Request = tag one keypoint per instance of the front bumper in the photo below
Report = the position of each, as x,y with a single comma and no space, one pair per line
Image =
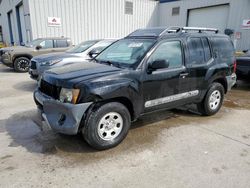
33,74
231,81
61,117
36,73
6,60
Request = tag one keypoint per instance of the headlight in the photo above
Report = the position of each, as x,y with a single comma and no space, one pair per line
69,95
49,63
7,52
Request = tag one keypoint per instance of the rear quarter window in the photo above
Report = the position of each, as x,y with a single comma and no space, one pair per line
61,43
196,51
223,47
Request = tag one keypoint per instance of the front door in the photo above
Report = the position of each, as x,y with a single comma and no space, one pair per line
161,87
46,47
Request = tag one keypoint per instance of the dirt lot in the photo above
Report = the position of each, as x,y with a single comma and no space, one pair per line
165,149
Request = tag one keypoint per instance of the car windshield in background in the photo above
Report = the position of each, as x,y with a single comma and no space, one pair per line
99,46
126,52
82,46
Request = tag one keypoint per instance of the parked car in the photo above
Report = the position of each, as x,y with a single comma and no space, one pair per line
84,51
243,67
18,57
151,69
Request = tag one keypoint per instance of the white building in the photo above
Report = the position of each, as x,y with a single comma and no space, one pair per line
24,20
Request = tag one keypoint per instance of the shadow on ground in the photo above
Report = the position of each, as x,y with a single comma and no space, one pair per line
26,86
5,69
238,97
242,85
27,130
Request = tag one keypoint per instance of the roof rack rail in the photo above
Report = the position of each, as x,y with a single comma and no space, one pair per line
200,29
171,29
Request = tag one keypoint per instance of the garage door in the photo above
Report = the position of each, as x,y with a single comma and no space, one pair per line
216,17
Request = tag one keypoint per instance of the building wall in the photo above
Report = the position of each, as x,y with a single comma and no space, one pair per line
10,5
238,11
91,19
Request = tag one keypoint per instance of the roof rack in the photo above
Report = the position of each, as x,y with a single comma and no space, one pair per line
200,29
176,29
171,29
159,31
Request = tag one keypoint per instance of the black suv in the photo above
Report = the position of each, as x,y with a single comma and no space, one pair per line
151,69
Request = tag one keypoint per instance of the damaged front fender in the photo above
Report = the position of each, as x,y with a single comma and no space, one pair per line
62,117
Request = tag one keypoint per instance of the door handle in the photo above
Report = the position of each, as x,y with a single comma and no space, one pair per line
183,75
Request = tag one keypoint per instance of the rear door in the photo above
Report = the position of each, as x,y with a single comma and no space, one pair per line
199,59
61,45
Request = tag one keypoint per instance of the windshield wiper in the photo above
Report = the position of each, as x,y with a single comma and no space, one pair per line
109,63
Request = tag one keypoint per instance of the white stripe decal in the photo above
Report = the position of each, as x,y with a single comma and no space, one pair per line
171,98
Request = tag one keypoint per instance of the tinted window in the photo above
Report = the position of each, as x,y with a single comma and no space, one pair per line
61,43
206,49
46,44
196,52
169,51
223,47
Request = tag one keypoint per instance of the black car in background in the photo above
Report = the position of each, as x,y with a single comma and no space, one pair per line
149,70
243,66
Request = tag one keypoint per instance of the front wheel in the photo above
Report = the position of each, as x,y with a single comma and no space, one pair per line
107,126
21,64
213,100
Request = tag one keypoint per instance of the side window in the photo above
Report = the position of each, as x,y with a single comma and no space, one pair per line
223,47
206,47
196,52
170,51
61,43
47,44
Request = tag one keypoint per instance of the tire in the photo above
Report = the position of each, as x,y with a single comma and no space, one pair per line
107,126
21,64
213,100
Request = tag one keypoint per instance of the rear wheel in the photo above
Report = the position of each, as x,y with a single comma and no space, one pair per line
107,126
21,64
213,100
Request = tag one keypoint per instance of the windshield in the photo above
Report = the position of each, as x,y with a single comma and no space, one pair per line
126,52
35,42
82,46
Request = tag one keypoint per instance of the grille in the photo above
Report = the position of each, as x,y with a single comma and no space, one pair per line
33,65
49,89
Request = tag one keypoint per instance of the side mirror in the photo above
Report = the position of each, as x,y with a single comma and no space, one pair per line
38,47
158,64
93,53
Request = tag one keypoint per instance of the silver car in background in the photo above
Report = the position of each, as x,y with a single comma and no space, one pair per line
82,52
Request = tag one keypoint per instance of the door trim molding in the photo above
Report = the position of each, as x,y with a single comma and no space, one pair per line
171,98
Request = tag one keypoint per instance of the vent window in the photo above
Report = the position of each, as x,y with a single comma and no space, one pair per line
175,11
128,7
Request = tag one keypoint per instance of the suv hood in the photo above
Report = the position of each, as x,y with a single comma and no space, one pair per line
53,56
70,75
16,48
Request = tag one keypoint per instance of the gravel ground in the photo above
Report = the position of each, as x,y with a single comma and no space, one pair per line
165,149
